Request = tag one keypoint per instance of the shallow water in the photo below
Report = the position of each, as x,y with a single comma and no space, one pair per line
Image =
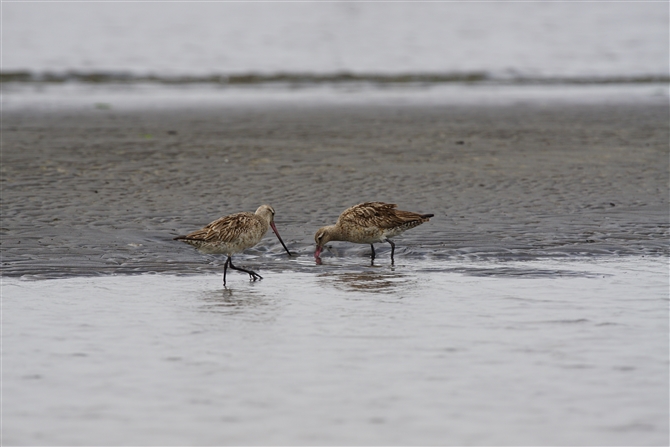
145,96
569,352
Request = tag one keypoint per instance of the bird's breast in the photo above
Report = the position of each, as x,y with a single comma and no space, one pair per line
363,235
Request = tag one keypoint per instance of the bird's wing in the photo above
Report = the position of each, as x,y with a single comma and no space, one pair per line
226,229
374,214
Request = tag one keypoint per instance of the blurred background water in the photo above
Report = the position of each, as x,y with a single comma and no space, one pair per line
602,41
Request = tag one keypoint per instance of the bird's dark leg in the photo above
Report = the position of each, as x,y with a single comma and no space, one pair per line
392,249
254,275
225,267
372,247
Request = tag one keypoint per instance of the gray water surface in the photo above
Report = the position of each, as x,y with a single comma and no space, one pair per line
571,352
500,39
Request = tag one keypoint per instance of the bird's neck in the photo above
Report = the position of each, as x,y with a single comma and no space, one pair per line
335,233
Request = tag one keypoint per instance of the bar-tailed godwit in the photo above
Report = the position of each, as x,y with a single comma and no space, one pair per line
233,234
369,223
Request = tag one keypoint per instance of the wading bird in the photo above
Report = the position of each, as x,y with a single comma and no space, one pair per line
369,223
233,234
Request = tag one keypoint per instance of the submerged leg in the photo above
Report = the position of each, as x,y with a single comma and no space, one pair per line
392,249
254,276
373,252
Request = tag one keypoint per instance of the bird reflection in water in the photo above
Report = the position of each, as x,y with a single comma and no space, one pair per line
230,301
369,282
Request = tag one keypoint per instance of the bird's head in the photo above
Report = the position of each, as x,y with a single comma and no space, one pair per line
267,213
322,237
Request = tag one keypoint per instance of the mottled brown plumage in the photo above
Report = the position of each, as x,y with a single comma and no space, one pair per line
233,234
369,223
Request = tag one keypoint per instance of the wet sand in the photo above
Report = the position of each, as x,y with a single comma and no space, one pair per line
102,191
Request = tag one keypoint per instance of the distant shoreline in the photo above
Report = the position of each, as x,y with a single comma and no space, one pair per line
251,78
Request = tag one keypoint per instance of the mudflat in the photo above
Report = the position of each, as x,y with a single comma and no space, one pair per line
105,191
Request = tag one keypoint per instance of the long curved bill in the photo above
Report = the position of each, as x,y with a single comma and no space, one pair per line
272,224
317,255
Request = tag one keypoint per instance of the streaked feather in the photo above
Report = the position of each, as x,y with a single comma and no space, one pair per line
369,223
381,215
228,229
233,233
